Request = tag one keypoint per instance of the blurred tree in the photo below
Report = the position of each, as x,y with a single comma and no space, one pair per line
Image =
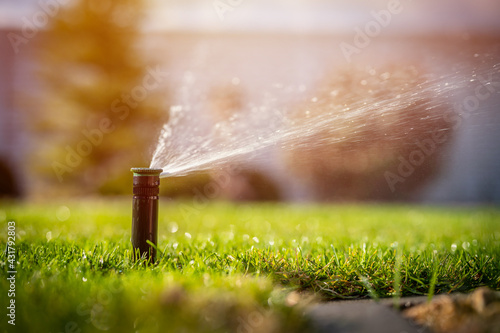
100,110
9,188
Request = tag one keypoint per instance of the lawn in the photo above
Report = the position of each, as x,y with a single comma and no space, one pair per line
226,267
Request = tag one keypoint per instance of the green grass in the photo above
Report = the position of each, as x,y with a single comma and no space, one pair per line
244,268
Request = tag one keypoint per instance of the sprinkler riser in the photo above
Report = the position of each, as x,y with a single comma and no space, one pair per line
146,188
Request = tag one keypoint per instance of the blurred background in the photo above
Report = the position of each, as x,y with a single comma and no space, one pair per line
86,86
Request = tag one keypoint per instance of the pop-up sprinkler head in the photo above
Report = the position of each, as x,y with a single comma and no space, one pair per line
145,212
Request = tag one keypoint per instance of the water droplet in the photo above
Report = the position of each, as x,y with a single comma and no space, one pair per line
174,109
188,235
173,227
385,76
206,279
453,247
63,213
84,279
255,239
48,235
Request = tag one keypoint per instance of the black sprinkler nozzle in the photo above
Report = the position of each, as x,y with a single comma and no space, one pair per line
145,212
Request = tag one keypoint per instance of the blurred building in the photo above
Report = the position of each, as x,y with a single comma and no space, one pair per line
192,37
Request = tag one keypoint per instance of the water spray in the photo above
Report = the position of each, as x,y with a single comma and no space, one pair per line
145,212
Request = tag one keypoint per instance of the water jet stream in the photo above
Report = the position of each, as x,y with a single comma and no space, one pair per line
185,146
